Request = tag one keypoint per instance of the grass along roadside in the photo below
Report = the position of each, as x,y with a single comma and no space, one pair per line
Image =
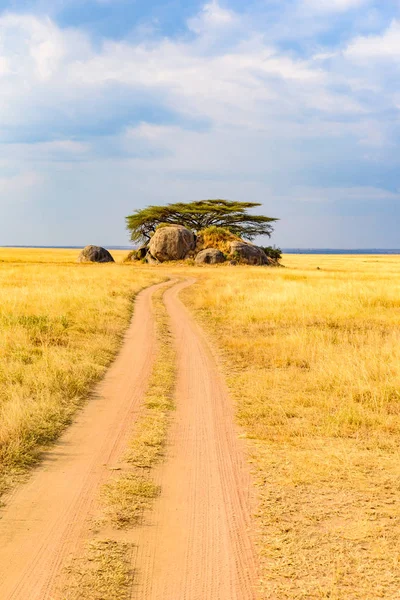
312,360
61,325
104,571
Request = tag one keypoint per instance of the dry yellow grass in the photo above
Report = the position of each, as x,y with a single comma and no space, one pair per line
313,361
215,237
48,255
104,573
312,357
60,326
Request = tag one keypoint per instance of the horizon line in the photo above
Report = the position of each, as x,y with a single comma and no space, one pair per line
125,247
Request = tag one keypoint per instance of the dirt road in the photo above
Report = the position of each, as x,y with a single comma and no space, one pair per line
196,543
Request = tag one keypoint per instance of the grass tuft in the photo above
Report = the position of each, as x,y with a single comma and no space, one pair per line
103,573
127,497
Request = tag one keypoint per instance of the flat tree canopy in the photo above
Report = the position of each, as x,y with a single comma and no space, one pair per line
199,215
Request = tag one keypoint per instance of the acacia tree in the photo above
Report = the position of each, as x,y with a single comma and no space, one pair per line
199,215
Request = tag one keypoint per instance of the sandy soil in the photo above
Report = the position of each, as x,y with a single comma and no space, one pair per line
196,544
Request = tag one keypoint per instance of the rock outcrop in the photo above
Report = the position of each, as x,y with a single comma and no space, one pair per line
95,254
248,254
210,256
172,242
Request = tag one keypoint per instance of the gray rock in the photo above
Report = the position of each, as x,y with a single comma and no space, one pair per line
210,256
172,242
95,254
249,254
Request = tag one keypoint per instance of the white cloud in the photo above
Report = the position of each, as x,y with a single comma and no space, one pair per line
212,16
18,186
37,46
329,6
383,46
55,81
51,70
266,113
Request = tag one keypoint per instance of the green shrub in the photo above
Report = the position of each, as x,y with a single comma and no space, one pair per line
272,252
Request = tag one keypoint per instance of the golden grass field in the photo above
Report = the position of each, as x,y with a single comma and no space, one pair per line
312,358
61,325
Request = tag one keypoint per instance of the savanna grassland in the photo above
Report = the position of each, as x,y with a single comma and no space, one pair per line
311,354
312,358
61,324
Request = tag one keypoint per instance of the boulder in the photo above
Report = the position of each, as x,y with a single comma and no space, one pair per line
95,254
249,254
210,256
173,242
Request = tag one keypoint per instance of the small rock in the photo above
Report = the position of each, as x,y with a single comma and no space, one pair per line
249,254
95,254
210,256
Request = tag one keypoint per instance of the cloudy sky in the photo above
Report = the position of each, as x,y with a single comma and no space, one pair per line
109,105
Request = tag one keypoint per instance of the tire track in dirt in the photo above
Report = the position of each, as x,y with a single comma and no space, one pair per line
196,544
45,520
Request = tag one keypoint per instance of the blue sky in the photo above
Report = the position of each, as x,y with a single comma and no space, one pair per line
110,105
